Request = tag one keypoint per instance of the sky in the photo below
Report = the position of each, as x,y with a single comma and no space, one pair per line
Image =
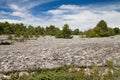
82,14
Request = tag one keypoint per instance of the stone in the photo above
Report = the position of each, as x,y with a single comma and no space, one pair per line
23,73
49,52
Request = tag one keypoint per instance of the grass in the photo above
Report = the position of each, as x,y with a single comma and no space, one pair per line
64,73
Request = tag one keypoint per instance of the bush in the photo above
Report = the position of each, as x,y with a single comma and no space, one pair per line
65,33
52,75
101,30
10,37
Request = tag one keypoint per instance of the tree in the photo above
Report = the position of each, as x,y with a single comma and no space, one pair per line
36,35
102,25
7,30
30,31
116,30
66,32
18,33
76,32
58,33
25,35
20,30
111,32
1,28
51,30
39,30
101,30
91,33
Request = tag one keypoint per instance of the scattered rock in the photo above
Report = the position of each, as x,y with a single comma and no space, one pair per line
2,76
49,52
23,73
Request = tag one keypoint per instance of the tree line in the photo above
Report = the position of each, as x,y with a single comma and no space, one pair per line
20,30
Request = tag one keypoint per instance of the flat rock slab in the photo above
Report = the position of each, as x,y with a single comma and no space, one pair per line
48,52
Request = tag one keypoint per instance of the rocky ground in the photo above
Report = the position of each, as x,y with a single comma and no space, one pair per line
48,52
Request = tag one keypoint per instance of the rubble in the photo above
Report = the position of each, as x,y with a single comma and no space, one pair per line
48,52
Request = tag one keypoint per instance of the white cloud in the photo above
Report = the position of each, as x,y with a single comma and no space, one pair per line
3,12
10,21
16,8
66,9
24,3
71,7
82,17
85,17
21,13
20,9
56,12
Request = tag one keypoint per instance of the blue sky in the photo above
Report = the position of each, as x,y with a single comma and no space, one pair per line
82,14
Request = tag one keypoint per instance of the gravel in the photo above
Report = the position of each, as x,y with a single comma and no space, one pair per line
48,52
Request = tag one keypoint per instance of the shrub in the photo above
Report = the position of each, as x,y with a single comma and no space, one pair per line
101,30
10,37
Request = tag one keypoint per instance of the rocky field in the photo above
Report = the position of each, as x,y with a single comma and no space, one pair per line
48,52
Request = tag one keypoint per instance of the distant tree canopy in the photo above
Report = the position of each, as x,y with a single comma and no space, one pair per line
76,32
20,30
102,30
66,31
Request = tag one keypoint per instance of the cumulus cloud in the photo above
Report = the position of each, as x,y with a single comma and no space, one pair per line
3,12
66,9
23,3
85,17
20,9
82,17
10,21
71,7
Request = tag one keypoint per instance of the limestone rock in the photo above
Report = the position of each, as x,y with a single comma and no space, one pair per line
48,52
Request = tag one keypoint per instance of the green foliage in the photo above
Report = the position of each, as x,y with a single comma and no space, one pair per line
116,30
39,30
63,73
30,31
91,33
1,28
109,64
52,75
10,37
76,32
51,30
17,33
21,31
102,30
109,76
66,32
58,33
102,25
37,35
95,73
25,35
111,32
